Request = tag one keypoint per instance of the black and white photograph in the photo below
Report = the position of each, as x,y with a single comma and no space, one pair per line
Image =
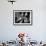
22,17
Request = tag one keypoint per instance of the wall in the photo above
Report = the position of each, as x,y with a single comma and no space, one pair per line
38,30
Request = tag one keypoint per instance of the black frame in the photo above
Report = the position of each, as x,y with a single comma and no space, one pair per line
31,17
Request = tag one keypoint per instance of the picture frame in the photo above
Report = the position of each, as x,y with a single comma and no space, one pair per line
22,17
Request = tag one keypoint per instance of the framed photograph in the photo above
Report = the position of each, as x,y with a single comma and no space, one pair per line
22,17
